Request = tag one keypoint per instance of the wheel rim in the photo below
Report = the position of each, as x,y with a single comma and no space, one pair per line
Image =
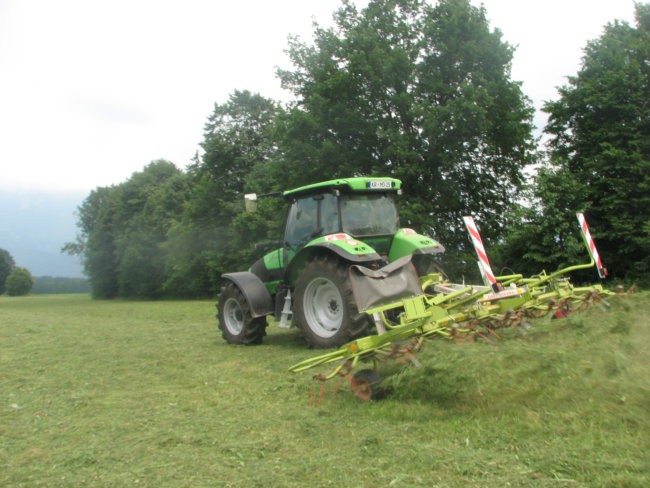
233,316
323,307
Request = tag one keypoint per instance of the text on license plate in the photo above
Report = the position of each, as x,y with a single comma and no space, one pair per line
380,185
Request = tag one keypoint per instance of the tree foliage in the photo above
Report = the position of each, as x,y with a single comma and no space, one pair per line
213,236
600,158
19,282
170,233
7,265
123,231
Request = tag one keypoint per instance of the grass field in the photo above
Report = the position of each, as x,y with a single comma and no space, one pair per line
124,394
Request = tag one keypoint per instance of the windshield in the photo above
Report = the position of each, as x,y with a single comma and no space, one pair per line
368,214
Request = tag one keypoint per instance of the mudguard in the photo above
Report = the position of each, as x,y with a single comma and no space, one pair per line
407,241
392,283
341,245
257,296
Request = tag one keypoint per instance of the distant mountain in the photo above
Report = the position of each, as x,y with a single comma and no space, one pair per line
34,225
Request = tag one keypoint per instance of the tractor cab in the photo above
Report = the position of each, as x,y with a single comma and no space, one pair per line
367,214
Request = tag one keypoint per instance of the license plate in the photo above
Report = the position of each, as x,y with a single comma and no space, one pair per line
380,185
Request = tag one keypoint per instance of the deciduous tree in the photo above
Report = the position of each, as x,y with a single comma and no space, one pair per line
204,243
123,229
19,282
7,265
600,155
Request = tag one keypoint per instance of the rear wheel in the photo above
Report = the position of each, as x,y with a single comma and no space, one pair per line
235,321
324,308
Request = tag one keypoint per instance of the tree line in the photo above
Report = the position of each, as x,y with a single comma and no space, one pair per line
18,281
47,285
415,91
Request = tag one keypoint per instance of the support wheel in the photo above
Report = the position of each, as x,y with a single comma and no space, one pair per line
324,307
235,321
365,385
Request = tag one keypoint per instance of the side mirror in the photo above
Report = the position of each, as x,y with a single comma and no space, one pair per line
250,202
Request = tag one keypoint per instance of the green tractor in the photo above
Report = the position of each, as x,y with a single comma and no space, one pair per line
305,283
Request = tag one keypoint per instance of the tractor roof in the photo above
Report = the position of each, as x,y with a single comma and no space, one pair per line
356,184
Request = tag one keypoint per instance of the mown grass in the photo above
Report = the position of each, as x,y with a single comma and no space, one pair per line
115,393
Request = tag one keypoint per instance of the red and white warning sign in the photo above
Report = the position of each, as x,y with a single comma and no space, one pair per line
483,260
591,245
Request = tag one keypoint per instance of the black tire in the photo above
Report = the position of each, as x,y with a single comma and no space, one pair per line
336,321
366,385
235,321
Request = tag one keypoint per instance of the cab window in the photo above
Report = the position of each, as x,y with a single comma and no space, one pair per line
302,221
369,215
329,214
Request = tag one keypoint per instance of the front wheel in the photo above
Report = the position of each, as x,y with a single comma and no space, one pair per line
235,320
324,308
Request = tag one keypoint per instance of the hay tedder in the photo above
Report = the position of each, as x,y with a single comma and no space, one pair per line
349,278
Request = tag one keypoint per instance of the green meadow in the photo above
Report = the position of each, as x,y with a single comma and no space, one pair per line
128,393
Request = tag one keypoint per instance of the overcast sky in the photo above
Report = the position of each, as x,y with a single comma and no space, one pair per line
91,91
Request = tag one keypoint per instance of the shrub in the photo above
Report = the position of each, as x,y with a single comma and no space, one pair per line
19,282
